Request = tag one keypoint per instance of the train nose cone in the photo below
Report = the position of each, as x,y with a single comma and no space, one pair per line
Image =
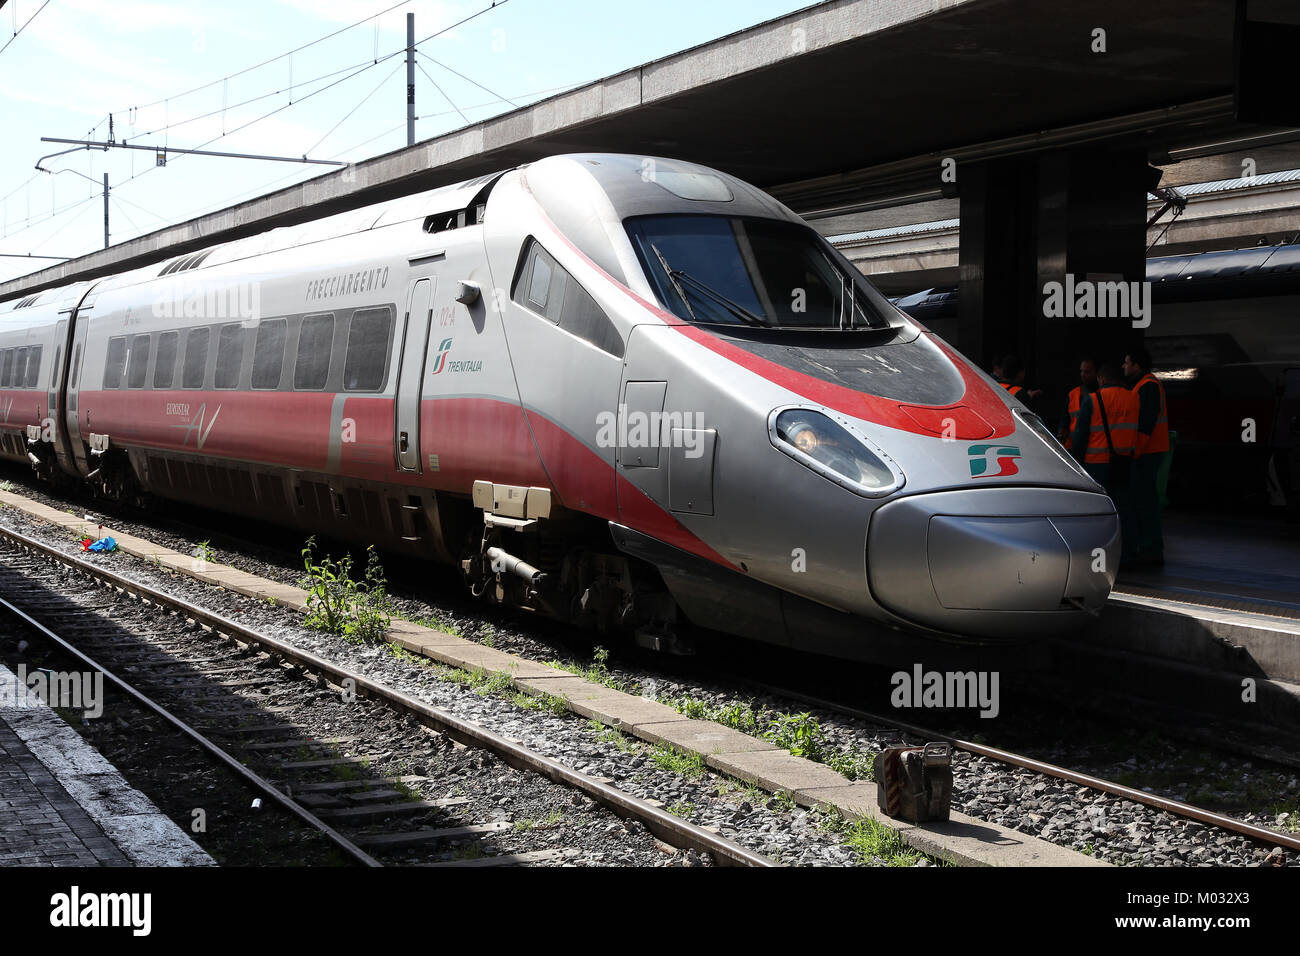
1000,563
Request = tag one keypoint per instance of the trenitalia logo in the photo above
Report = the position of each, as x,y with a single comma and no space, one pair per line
440,362
200,425
1005,455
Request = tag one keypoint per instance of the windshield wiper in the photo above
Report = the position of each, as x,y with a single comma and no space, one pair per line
735,308
672,277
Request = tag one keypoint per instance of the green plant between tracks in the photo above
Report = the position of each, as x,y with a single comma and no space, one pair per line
356,610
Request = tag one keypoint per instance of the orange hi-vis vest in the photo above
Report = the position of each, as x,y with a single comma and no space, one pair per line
1159,440
1012,388
1072,406
1122,416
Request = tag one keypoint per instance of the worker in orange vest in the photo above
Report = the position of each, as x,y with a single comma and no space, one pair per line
1105,440
1087,384
1010,373
1152,447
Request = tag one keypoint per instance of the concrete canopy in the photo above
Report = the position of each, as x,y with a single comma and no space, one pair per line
843,105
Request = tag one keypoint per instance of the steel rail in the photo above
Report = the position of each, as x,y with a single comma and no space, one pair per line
1052,770
250,777
662,824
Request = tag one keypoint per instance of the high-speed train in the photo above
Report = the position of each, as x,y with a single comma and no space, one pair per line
625,391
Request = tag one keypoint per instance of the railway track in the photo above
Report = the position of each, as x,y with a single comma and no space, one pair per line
239,695
1179,808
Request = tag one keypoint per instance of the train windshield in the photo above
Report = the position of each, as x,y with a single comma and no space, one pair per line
759,272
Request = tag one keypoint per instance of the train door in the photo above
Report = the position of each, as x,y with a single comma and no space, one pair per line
55,387
72,446
410,375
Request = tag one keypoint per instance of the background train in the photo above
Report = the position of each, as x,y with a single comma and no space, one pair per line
1225,340
619,390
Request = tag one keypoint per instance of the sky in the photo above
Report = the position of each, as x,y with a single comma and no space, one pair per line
164,70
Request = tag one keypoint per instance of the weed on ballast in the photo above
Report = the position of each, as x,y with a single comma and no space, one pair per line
681,762
354,610
532,823
611,735
800,734
875,844
205,552
598,673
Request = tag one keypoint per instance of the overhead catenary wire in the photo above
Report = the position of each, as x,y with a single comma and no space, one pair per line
20,29
258,190
466,78
350,112
357,72
30,222
281,56
377,59
126,215
443,92
66,223
254,99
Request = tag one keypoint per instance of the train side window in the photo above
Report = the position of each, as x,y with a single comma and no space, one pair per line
315,341
6,368
164,367
539,279
58,357
34,366
76,367
196,358
137,366
20,368
582,316
268,353
115,363
230,356
564,301
541,283
369,341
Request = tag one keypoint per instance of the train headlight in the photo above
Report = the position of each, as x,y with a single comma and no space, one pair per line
833,451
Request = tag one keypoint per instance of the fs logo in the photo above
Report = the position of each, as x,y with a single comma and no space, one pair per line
1006,456
440,362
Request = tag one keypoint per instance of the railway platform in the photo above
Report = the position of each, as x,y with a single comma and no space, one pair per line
63,804
1227,598
1249,563
1216,631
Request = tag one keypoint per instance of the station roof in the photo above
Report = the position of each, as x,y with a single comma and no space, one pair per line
844,105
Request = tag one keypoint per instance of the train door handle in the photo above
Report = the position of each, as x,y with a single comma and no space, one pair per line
403,442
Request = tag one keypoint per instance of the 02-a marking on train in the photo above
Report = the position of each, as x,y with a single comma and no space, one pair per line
1005,456
196,427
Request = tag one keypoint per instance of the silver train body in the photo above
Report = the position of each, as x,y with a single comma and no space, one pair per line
623,391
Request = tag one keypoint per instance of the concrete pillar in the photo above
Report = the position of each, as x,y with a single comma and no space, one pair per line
1027,221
